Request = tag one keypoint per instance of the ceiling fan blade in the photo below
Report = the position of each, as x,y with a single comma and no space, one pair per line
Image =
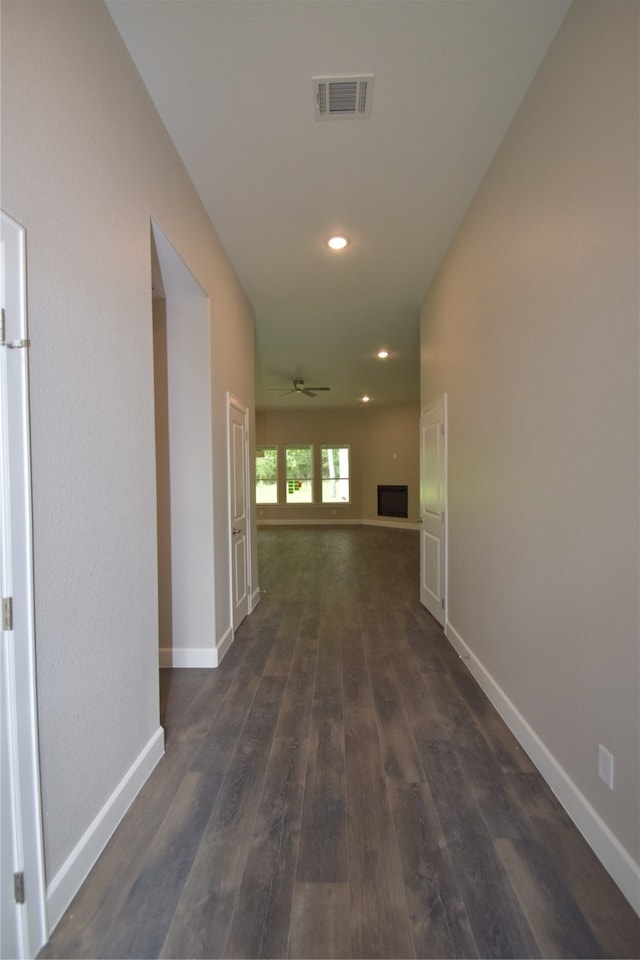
298,387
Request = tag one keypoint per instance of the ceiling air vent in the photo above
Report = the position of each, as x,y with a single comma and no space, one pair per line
336,97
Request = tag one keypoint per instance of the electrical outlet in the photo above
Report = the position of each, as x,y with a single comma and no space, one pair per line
605,766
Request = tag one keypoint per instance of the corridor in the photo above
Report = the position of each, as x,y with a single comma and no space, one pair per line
341,787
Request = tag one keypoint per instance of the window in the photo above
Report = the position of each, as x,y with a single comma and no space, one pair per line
266,475
335,474
299,474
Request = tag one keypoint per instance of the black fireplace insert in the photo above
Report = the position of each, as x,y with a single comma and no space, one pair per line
393,500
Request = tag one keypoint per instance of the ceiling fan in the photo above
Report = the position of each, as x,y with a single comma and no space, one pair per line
299,387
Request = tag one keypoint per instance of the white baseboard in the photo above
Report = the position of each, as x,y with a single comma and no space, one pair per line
255,599
334,522
76,868
613,856
197,657
183,657
203,658
338,523
223,645
396,524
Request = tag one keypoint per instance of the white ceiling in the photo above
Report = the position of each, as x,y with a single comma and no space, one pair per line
232,81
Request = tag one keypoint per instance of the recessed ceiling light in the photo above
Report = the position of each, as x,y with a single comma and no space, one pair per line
338,243
383,354
366,399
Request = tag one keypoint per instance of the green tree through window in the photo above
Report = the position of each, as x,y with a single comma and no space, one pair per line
335,474
299,474
267,475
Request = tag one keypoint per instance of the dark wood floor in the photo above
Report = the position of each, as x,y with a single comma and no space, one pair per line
340,787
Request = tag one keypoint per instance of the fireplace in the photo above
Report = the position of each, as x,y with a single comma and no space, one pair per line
393,501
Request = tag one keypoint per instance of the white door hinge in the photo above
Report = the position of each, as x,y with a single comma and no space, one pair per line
7,613
18,887
11,344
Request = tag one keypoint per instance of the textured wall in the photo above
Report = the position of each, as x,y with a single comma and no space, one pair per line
85,164
532,328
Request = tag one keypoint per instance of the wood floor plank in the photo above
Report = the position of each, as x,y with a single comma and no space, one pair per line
297,702
279,661
140,928
508,752
355,677
201,920
232,709
612,919
400,757
424,715
322,855
498,923
379,919
320,922
439,923
486,779
556,920
260,925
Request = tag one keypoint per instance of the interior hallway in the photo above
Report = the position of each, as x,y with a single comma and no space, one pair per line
341,787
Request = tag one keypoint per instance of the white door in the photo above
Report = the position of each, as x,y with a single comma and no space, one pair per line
238,509
23,921
433,519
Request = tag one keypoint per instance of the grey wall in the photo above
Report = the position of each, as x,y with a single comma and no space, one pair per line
86,164
531,327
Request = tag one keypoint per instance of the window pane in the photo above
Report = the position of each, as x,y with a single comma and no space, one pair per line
266,475
266,491
335,474
299,475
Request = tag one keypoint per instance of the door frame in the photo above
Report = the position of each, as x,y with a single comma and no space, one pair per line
433,410
19,692
243,410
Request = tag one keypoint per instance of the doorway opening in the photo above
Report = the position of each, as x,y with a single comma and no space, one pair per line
184,461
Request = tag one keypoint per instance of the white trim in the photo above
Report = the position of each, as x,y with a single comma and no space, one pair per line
613,856
196,657
391,523
223,645
84,855
337,523
255,599
185,657
18,643
441,403
308,523
243,410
